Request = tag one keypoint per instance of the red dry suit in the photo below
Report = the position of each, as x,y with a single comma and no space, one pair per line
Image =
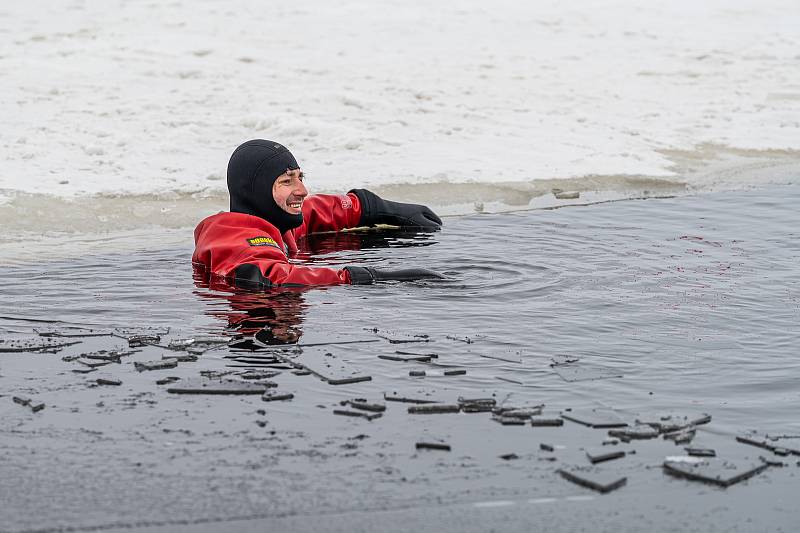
228,240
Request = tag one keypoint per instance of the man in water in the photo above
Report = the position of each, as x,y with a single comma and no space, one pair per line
271,211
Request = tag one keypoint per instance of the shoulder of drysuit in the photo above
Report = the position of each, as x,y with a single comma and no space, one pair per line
229,221
226,241
225,232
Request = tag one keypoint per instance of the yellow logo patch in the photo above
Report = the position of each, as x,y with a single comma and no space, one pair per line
262,241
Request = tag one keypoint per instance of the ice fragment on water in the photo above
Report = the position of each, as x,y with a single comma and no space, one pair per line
357,414
602,455
520,412
364,405
274,395
93,363
212,386
477,405
328,367
407,358
433,446
670,422
509,420
755,439
700,452
595,418
141,366
640,431
27,402
541,421
419,397
433,408
599,481
721,473
683,436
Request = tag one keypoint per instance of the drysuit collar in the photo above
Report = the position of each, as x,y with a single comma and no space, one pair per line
252,171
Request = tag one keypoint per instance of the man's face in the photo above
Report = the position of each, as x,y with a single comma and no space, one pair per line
289,191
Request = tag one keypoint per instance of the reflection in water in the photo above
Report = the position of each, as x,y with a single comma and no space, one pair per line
277,314
326,243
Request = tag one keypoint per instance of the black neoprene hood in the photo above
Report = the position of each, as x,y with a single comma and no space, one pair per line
252,171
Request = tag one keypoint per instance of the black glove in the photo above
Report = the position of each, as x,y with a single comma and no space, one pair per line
249,276
376,210
369,275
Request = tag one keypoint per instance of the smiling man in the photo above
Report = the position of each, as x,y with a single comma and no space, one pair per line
271,210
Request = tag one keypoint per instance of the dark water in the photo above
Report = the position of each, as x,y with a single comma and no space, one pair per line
686,305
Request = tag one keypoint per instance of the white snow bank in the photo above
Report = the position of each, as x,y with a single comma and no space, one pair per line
140,97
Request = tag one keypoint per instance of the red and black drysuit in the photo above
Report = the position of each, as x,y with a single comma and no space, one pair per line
226,241
252,243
